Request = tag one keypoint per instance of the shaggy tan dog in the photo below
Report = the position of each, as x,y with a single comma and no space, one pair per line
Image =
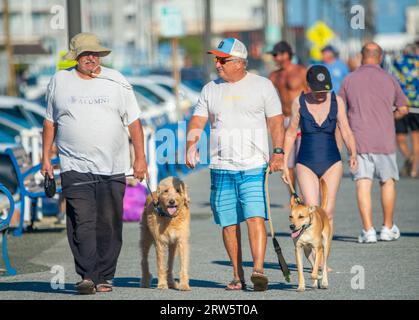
165,223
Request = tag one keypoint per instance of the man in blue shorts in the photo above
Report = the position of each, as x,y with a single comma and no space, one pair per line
241,107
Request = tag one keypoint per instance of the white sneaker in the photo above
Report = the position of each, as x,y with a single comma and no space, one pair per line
387,234
369,236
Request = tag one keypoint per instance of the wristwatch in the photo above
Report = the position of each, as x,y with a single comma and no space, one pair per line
278,151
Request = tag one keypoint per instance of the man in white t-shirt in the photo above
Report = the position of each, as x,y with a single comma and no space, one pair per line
241,108
91,109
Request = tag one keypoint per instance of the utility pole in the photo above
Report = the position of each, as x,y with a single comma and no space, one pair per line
369,20
207,40
11,79
176,76
284,27
73,18
272,23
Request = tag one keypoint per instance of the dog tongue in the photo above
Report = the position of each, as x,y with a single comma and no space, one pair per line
171,211
295,234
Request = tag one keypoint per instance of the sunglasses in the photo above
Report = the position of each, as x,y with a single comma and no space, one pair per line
278,53
223,60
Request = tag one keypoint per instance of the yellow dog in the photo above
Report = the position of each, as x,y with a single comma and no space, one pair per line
311,232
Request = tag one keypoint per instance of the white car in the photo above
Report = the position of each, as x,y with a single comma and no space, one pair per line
151,115
21,111
168,83
159,96
9,133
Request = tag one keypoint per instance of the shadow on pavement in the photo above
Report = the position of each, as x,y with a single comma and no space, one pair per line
135,283
283,286
282,235
52,230
207,204
35,286
127,282
345,238
409,234
267,265
355,239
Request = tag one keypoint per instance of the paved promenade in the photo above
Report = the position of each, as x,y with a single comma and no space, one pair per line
375,271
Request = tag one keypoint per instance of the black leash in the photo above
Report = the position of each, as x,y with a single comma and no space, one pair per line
294,194
281,260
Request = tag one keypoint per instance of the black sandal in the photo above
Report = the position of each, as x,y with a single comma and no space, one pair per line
236,284
85,287
260,281
104,287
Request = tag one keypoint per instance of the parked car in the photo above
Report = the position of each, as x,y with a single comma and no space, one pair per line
168,83
151,115
9,133
159,96
25,113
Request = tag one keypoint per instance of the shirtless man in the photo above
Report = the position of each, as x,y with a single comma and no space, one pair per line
290,81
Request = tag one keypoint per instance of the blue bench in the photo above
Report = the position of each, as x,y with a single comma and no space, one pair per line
4,228
17,175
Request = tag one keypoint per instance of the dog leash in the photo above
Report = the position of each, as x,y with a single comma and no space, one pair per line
294,194
281,259
97,181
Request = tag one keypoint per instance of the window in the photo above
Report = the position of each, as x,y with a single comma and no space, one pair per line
148,94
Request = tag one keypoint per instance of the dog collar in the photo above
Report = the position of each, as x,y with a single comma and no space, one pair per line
304,228
160,211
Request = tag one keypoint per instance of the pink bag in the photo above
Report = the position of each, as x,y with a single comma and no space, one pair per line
134,201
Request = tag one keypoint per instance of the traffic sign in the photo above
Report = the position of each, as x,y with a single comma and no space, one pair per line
320,34
171,23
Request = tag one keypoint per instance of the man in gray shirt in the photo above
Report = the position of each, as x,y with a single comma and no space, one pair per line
91,109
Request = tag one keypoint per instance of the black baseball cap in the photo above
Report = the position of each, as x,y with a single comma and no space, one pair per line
318,79
331,49
282,46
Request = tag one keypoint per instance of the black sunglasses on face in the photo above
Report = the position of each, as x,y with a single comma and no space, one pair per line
223,60
277,54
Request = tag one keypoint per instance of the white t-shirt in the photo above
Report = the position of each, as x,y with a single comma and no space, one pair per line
237,113
92,118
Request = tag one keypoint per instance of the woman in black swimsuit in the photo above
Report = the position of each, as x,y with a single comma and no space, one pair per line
318,113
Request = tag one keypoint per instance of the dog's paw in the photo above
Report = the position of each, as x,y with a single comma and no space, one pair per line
172,284
146,281
301,289
184,287
162,286
324,285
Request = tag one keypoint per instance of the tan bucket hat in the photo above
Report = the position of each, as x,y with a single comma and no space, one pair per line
84,42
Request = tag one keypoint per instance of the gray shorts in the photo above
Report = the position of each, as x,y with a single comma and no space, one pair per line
381,166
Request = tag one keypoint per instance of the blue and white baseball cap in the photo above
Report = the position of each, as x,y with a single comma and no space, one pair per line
230,47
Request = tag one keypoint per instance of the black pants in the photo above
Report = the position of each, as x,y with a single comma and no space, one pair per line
94,223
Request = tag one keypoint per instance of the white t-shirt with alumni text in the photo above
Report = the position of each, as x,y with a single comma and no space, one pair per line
92,117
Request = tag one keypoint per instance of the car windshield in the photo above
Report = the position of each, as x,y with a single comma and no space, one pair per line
18,120
148,94
40,119
15,111
8,132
